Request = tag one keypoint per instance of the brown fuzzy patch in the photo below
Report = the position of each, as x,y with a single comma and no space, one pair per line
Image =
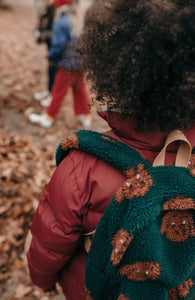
192,161
185,287
192,165
138,183
192,172
120,243
173,294
105,138
141,271
178,226
181,291
179,203
123,297
70,142
88,294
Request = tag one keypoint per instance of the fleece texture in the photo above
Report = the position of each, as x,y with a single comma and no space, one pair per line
144,245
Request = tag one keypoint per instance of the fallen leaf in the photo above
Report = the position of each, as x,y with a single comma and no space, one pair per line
22,290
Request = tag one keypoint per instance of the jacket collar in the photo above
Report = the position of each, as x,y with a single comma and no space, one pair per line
154,141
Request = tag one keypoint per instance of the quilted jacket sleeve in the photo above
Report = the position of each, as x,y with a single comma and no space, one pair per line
56,227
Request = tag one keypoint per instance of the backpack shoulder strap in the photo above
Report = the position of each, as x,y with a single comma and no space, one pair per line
142,179
102,146
109,150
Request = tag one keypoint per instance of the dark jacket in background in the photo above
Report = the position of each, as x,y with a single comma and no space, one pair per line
44,28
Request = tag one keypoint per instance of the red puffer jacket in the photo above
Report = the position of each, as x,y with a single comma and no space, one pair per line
74,201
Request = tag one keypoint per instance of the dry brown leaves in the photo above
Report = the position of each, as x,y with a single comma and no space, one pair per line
25,169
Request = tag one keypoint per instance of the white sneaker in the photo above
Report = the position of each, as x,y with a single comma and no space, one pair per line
85,120
41,95
46,102
43,120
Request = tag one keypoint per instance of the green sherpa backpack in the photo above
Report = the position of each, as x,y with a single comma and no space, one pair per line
144,245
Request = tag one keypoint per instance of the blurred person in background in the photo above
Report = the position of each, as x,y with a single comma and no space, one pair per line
65,31
46,14
43,34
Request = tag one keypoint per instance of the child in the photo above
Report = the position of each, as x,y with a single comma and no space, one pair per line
43,34
139,58
63,34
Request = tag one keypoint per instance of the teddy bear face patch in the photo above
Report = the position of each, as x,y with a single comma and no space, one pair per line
141,271
178,226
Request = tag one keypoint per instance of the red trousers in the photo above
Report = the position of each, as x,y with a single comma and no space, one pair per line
64,80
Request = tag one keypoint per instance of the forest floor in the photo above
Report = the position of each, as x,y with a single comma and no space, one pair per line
27,151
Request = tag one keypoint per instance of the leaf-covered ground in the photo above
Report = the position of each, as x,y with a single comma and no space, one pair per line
26,151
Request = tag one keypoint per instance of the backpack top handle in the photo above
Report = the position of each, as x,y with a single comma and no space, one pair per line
183,154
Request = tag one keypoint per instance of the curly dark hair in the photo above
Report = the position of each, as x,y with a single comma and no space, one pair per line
139,56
